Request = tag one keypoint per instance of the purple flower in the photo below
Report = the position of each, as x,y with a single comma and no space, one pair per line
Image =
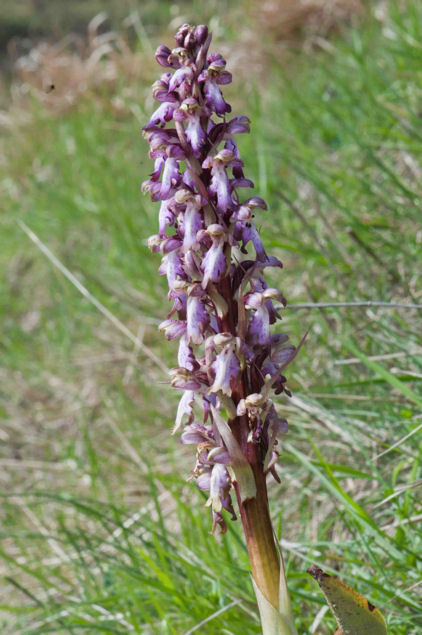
185,355
191,112
179,76
222,309
162,55
196,318
184,379
163,114
192,219
220,182
184,409
160,89
171,266
227,370
214,75
196,434
259,325
165,217
171,177
173,328
214,264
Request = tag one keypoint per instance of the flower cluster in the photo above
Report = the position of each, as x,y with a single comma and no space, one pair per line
222,307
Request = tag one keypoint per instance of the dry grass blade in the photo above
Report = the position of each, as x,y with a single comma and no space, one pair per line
400,441
84,291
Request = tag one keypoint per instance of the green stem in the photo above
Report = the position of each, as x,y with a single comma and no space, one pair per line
266,561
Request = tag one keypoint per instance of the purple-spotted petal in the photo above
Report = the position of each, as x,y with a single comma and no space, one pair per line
173,328
214,97
214,264
171,266
238,125
227,371
165,217
183,74
171,177
195,133
204,481
259,327
184,409
196,319
192,224
194,433
185,354
163,114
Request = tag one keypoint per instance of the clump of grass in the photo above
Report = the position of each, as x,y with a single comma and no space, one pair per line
339,167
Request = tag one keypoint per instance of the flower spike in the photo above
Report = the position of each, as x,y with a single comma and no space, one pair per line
223,309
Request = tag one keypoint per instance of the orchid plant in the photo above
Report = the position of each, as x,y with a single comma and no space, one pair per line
229,360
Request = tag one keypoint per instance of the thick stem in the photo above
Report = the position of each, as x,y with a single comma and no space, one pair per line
259,537
266,563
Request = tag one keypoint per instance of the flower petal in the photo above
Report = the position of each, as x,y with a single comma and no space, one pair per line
197,319
227,370
184,409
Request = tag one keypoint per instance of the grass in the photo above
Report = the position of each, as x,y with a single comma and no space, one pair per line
100,531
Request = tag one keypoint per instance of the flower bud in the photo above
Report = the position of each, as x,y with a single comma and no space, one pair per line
162,54
201,34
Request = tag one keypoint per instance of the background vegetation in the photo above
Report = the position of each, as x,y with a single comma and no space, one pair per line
100,530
